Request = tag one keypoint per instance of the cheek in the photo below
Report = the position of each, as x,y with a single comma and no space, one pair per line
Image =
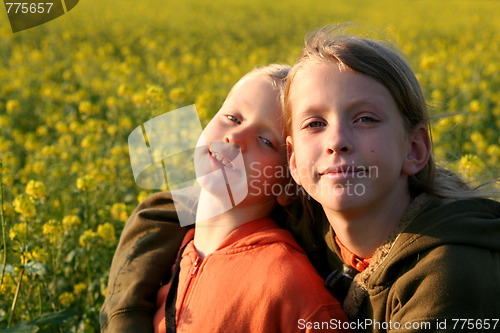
212,131
305,153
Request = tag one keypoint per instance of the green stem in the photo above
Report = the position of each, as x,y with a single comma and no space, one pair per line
16,296
4,226
40,306
54,271
89,280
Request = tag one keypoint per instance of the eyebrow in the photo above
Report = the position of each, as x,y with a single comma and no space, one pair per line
315,108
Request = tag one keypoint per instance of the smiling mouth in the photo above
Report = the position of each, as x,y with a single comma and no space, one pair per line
222,159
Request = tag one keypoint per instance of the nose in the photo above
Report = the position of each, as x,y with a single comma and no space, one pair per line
338,140
237,139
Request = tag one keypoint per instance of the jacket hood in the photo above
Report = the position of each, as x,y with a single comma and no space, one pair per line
428,223
256,233
469,222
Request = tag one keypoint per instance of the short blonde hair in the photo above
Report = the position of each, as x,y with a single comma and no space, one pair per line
276,74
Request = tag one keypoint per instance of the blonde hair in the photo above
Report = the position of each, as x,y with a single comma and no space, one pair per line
275,74
383,63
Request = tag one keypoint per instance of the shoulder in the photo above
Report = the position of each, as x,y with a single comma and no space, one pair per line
445,264
470,223
448,281
464,210
293,271
167,204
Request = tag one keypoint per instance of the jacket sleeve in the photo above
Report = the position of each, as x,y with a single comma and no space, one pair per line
147,249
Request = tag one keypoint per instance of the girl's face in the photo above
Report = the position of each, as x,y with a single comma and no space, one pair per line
245,140
348,146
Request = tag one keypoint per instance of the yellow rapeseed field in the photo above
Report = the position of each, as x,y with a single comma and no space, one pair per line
72,90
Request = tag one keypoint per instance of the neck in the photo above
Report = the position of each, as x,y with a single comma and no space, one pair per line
216,219
361,232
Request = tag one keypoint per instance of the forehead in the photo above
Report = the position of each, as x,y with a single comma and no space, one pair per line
255,96
334,83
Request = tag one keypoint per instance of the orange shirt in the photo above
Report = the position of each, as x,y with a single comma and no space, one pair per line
258,280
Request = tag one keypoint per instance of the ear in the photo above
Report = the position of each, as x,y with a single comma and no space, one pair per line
290,152
419,150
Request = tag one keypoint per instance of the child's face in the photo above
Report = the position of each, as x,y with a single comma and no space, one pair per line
249,122
348,144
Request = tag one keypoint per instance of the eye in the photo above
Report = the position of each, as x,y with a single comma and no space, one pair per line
314,124
267,142
233,119
366,119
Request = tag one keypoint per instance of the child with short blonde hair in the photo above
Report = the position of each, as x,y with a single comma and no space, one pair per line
237,270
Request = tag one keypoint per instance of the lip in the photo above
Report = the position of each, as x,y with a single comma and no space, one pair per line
342,171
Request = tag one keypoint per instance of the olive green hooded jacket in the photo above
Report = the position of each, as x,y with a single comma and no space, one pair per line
438,272
440,265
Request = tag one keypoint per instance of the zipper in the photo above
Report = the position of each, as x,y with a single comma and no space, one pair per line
189,287
196,266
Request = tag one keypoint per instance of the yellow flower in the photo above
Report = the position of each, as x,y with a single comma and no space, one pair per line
65,140
119,211
31,143
107,232
36,189
9,285
42,131
39,167
119,150
475,106
445,125
88,238
139,98
4,145
493,152
50,150
125,123
478,140
89,142
122,90
70,221
85,107
66,299
177,95
437,95
62,127
4,121
37,254
85,183
142,196
19,232
155,94
52,229
112,129
428,61
79,288
24,205
12,106
470,167
111,102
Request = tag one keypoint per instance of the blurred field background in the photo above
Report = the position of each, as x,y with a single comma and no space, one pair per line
72,90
